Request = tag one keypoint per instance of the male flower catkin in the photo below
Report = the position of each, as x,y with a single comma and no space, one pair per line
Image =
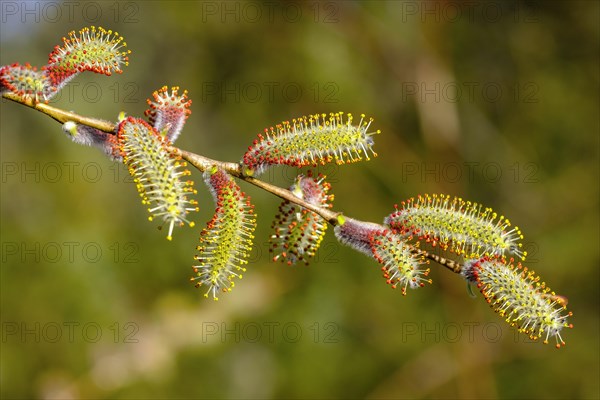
517,295
401,265
157,173
460,226
26,82
168,112
93,49
298,231
226,242
316,139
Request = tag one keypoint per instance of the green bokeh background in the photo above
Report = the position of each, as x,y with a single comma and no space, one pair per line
493,101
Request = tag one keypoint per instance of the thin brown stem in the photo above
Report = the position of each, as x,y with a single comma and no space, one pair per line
62,116
203,163
450,264
327,214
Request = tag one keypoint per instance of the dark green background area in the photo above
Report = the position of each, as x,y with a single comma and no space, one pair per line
496,102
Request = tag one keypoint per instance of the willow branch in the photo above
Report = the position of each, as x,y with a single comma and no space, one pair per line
203,163
62,116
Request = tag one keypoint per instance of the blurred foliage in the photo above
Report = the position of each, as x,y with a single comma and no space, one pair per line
494,101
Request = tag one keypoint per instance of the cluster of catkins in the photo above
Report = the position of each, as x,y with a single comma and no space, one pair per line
483,244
